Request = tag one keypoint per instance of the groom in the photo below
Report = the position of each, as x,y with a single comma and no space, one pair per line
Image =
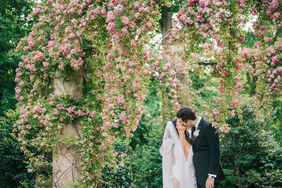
205,143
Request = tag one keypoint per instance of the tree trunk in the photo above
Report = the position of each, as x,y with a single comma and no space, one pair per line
166,24
66,168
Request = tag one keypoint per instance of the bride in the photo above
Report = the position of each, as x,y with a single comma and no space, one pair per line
177,157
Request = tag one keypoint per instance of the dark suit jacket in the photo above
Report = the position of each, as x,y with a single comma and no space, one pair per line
206,153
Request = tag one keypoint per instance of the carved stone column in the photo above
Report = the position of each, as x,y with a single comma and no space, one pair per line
66,168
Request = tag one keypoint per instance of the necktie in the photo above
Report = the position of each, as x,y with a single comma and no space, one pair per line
192,136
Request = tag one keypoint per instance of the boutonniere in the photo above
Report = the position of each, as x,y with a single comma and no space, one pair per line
196,133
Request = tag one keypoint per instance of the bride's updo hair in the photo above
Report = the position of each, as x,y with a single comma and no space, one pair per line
186,114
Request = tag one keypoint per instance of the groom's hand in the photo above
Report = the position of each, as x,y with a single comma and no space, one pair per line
210,182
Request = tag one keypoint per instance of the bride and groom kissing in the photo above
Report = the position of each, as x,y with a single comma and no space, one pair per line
190,152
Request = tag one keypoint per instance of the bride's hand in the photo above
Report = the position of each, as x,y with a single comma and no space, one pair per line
179,125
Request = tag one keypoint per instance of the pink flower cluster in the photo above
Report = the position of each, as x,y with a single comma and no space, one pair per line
225,129
203,17
139,20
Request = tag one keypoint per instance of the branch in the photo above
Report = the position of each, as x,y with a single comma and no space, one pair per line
207,63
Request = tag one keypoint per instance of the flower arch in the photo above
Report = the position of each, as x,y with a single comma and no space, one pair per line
85,65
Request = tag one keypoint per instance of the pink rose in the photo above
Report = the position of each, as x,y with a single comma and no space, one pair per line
120,100
238,67
225,129
146,57
133,44
21,84
118,9
267,39
191,2
104,134
224,73
92,114
204,3
279,69
122,164
149,25
217,100
136,4
45,64
214,125
124,31
110,16
71,35
258,43
234,102
70,110
136,15
108,124
216,111
122,117
238,86
80,113
124,20
111,26
237,78
40,39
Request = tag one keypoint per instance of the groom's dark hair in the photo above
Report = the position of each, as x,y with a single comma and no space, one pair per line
186,114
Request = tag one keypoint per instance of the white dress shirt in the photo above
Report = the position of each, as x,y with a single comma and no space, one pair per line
199,118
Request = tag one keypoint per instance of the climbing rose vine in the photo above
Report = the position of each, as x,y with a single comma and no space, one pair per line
101,43
102,46
211,36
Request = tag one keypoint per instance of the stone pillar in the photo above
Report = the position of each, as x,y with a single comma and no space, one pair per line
66,168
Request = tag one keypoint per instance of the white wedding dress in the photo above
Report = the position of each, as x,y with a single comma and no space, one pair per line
177,171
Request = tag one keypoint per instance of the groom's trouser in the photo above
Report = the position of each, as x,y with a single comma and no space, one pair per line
203,186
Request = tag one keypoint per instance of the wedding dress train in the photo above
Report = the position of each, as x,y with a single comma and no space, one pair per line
177,171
